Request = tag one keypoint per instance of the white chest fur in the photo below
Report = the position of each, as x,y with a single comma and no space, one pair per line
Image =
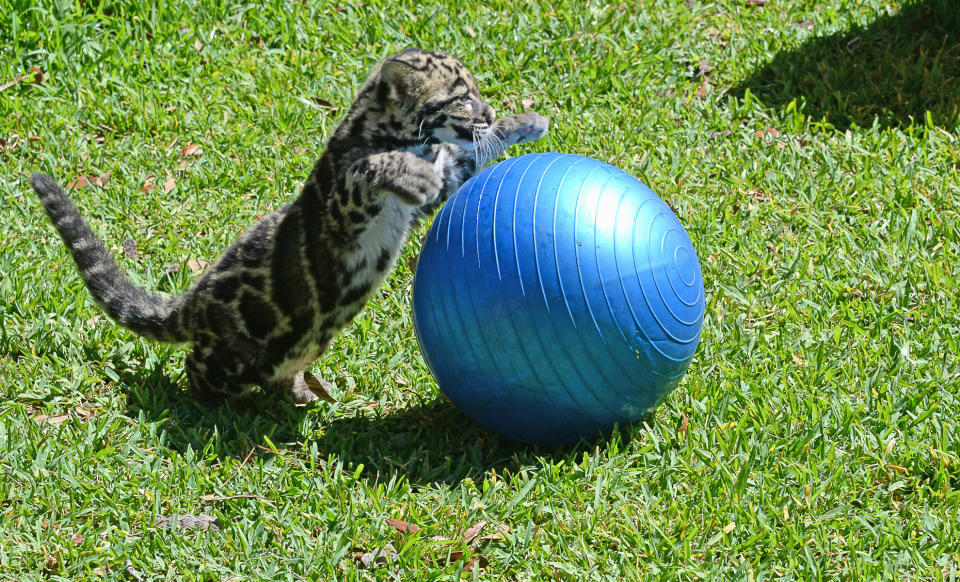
386,232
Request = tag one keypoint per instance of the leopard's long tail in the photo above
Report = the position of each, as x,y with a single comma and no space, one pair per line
139,311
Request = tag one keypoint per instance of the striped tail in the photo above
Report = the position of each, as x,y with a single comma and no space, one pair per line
141,312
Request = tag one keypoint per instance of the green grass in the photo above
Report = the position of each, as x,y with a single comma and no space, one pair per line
815,435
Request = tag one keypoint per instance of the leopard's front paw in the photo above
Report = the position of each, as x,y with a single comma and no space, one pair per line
419,183
524,127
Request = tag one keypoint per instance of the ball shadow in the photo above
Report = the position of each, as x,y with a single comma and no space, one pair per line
894,70
435,443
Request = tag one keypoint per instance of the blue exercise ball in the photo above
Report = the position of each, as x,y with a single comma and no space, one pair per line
556,296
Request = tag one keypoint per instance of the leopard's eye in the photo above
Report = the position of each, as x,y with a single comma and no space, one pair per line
465,98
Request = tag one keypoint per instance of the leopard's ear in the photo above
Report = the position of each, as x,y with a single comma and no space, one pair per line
400,81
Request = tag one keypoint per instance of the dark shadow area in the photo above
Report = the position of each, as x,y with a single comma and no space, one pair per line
232,430
894,70
428,443
435,443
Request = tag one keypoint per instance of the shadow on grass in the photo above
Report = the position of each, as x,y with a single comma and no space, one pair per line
894,70
434,443
232,430
426,444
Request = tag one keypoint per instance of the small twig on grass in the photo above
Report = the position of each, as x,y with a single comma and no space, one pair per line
242,463
132,572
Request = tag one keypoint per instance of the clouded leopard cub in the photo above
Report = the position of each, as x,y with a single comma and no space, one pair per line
274,300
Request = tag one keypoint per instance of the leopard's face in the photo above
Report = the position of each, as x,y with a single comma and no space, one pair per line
441,95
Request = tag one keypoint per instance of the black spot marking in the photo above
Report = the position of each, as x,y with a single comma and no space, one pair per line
220,320
226,288
254,281
357,216
258,315
279,348
354,293
384,260
291,291
358,199
435,106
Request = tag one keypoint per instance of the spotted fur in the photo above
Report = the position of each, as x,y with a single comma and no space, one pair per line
275,299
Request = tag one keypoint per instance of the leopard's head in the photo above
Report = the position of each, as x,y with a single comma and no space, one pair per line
433,97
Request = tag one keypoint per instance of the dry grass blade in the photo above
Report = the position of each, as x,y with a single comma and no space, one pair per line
212,498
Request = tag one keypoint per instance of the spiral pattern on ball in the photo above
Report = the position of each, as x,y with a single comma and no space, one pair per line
556,295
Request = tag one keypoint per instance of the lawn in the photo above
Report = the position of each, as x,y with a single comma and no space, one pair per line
810,149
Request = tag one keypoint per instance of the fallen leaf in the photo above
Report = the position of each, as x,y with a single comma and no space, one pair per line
796,359
684,423
82,413
168,184
197,45
755,3
172,268
469,31
78,182
379,557
322,103
704,89
527,103
59,419
478,562
509,104
77,539
203,522
34,72
147,187
703,68
99,571
197,265
472,531
403,526
499,535
51,563
762,133
101,180
320,389
191,149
